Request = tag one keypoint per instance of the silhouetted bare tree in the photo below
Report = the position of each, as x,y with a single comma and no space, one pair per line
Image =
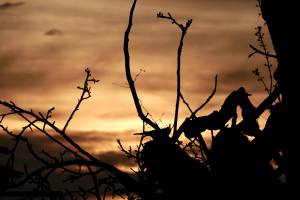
72,164
233,166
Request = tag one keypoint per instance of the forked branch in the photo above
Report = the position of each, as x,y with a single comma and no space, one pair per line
183,29
85,94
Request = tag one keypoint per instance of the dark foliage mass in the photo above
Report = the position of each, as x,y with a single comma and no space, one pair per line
242,161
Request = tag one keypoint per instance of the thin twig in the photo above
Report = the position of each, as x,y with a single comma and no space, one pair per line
186,103
208,99
55,166
262,44
256,50
260,78
183,29
177,134
94,178
86,93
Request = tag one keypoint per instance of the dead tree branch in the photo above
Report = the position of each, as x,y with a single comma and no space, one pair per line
183,29
186,103
256,50
85,94
260,38
208,99
135,97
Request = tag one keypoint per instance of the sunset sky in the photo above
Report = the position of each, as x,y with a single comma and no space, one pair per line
46,45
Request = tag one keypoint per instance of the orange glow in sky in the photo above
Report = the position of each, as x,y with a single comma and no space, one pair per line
46,45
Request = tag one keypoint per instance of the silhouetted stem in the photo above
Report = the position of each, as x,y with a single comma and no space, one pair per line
208,99
177,134
186,103
86,93
128,73
268,64
256,50
179,52
94,178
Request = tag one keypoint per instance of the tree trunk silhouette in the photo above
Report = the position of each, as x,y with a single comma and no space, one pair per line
280,16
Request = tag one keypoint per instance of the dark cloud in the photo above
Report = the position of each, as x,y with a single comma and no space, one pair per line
240,77
53,32
90,136
34,70
7,59
116,158
157,82
113,116
41,143
23,155
88,140
57,178
181,5
7,5
21,80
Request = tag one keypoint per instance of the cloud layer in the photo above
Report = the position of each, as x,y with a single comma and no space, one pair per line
46,45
